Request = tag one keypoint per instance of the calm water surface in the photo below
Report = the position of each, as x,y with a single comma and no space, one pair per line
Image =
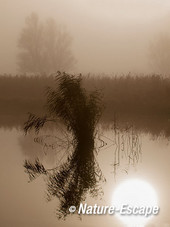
24,203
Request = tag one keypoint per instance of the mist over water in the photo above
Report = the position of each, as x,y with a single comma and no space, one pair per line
121,47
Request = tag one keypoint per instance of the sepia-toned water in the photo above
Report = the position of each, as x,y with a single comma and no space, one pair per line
24,203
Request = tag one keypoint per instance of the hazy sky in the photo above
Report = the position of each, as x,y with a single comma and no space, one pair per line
109,36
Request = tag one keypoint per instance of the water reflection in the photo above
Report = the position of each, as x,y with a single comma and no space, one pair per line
79,173
74,175
30,200
75,171
155,125
69,103
126,143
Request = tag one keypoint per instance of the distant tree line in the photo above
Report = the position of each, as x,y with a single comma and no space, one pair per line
143,101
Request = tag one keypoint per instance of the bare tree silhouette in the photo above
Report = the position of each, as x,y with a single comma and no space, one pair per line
160,54
44,47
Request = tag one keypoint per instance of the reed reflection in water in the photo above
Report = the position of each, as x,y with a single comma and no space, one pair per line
80,174
80,113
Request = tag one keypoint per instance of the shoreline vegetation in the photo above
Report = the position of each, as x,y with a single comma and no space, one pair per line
69,103
143,101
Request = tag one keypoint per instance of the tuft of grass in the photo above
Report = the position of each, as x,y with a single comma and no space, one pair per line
80,113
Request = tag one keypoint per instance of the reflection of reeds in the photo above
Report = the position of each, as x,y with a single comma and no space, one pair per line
80,113
125,142
127,145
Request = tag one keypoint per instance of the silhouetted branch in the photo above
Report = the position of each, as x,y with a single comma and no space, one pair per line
34,169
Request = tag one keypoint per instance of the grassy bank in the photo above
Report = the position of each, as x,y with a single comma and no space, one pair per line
144,101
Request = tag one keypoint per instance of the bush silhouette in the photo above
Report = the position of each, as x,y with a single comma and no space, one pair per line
80,113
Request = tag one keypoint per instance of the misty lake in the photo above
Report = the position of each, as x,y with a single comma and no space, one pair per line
25,202
84,111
